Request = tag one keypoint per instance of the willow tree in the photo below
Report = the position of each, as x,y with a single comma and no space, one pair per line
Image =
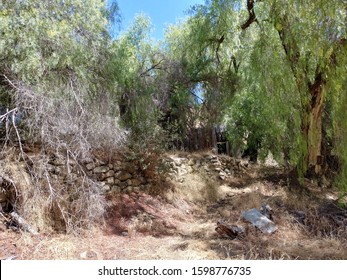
52,76
52,55
292,59
312,35
337,86
201,73
47,37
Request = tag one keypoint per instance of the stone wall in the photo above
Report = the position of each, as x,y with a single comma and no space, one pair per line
221,165
117,176
120,175
124,176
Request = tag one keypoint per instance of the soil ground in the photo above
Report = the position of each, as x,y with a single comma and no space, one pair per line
178,221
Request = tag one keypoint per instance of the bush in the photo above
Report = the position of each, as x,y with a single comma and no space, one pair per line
64,122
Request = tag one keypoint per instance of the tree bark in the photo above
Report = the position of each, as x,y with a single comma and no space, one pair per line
312,118
312,126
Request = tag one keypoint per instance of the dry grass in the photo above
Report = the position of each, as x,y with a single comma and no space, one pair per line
197,188
180,224
53,203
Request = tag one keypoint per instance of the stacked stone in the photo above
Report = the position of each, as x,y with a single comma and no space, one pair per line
123,176
224,166
118,176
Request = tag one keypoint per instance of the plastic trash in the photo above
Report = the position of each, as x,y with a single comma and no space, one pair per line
259,220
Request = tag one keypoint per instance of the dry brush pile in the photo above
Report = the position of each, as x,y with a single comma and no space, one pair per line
64,122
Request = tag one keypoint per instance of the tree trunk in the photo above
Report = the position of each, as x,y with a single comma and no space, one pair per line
312,127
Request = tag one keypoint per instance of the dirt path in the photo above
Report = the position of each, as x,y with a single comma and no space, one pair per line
180,223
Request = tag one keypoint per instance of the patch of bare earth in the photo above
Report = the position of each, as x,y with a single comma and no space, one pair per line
179,221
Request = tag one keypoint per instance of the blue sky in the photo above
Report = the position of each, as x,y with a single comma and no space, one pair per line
161,12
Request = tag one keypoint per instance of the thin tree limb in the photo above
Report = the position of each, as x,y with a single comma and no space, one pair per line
154,66
2,117
251,15
17,133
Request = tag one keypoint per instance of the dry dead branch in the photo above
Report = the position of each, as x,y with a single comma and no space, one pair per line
23,223
64,121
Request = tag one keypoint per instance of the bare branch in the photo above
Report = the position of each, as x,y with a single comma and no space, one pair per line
10,82
251,15
18,136
219,42
155,66
74,94
23,223
7,114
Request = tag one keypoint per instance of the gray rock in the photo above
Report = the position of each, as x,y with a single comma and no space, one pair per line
123,176
88,255
176,169
90,166
87,160
108,174
106,188
210,157
101,162
136,182
183,171
129,189
123,185
110,180
101,169
117,167
178,161
116,181
222,175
